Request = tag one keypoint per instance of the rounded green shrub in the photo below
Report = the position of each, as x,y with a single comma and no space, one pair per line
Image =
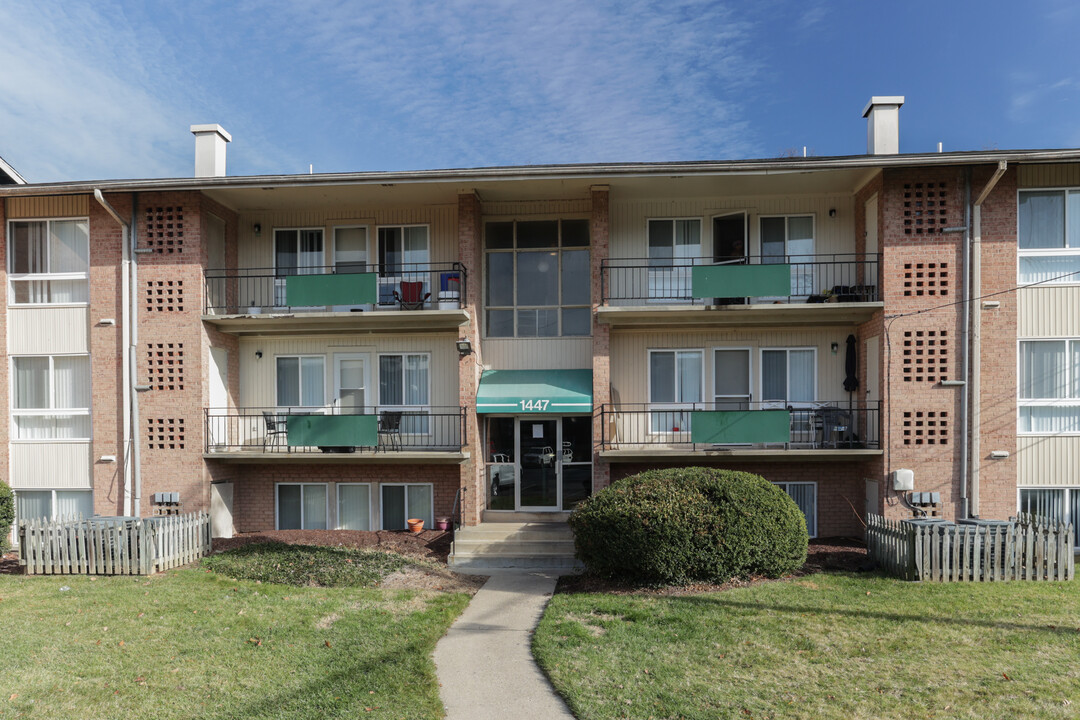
681,525
7,515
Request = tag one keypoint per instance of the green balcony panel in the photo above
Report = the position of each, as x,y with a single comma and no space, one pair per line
729,281
729,427
340,289
332,430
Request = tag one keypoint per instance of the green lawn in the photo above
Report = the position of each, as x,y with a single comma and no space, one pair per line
822,646
190,643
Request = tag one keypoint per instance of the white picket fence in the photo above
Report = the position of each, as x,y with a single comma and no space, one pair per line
112,546
1031,548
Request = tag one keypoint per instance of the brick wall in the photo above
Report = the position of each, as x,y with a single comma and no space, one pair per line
253,493
599,222
470,237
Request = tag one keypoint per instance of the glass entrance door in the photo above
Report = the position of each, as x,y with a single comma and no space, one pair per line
539,485
538,464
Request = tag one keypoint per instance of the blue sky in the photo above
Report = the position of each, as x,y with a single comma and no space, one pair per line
99,90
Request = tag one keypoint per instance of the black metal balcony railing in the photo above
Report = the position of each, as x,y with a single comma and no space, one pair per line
820,425
814,279
338,429
426,286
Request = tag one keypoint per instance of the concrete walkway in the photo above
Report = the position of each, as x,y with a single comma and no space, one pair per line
485,664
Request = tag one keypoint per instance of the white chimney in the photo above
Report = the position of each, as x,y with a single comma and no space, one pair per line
883,126
210,150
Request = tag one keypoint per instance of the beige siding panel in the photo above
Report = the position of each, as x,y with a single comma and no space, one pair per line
629,219
537,354
1047,460
1048,312
52,206
559,208
258,251
1054,175
50,465
258,378
630,357
42,331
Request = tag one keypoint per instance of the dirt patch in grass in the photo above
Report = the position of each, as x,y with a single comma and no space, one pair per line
428,545
833,554
432,577
9,564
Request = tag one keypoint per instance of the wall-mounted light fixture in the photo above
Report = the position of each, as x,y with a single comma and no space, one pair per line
258,354
834,347
832,212
257,228
464,347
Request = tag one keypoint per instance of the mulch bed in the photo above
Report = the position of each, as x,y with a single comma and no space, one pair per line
833,554
427,545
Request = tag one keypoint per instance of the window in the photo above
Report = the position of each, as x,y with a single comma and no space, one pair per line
790,239
404,386
1056,503
805,496
354,506
1049,386
538,281
405,502
296,252
675,383
674,245
731,378
51,397
350,249
301,381
49,262
301,506
788,376
1048,236
53,504
403,249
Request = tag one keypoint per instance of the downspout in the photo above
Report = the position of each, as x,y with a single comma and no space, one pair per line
125,334
976,337
965,343
133,357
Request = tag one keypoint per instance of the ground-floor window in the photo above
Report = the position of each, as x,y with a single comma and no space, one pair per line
805,496
354,506
1055,503
301,506
53,504
402,502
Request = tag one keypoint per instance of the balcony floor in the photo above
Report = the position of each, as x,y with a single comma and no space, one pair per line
655,453
761,315
299,323
396,457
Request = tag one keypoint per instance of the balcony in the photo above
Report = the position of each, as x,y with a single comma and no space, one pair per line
765,431
408,296
756,290
335,435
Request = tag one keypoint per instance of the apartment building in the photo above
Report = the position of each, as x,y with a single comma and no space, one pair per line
352,350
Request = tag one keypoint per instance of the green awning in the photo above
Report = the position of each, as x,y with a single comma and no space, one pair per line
557,392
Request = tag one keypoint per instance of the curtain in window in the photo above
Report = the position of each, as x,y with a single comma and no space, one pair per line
1044,268
33,505
354,507
1042,220
415,246
687,239
1074,514
420,504
311,252
801,374
774,375
1044,373
314,507
805,496
31,383
29,248
390,390
393,507
416,380
74,504
312,382
688,378
69,245
71,382
1049,419
773,232
289,517
1048,503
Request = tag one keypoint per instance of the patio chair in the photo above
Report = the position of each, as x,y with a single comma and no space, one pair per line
276,429
567,452
390,428
412,295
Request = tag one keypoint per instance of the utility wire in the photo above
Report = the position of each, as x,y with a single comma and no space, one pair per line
982,297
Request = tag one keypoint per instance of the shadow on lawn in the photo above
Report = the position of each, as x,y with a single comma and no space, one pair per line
714,601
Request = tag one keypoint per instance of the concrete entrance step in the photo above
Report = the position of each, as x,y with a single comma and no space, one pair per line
537,545
508,516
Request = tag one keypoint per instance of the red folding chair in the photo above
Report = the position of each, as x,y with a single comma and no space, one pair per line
412,295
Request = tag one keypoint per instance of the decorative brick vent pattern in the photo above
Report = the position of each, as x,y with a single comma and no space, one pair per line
922,279
165,295
166,364
926,355
925,208
166,433
926,428
165,229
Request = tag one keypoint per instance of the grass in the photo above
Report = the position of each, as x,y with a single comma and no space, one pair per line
822,646
192,643
306,565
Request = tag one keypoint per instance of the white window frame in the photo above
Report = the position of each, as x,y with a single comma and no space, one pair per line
1063,251
52,500
787,232
52,410
377,259
368,389
303,520
298,230
46,276
662,407
761,375
783,485
749,370
1066,504
351,226
300,375
425,408
679,276
1021,402
429,522
513,251
337,499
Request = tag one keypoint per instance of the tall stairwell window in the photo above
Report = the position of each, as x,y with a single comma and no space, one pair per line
1048,236
49,262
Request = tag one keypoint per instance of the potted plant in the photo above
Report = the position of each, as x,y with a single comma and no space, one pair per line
416,525
442,523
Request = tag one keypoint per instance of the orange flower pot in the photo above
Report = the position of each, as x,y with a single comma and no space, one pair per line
416,525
